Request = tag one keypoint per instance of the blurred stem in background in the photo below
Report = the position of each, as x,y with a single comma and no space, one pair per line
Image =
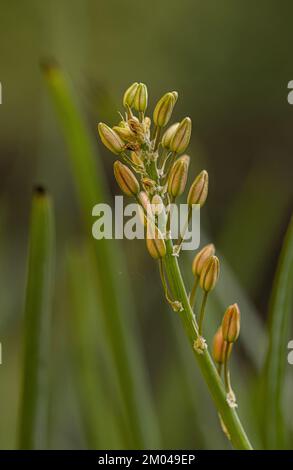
280,313
114,291
102,420
33,424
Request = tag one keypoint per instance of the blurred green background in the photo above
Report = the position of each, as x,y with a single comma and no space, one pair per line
231,63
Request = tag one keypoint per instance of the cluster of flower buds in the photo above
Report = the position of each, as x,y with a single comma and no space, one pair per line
206,270
226,335
150,164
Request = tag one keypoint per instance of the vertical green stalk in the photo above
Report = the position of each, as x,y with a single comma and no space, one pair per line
100,413
113,287
280,312
33,422
229,416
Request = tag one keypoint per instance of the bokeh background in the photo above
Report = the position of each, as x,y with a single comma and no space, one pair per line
231,63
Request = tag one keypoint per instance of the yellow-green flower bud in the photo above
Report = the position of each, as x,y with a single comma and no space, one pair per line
157,204
163,109
209,274
167,137
126,179
140,101
220,347
125,133
110,138
199,189
147,126
175,95
129,95
159,212
149,184
155,242
231,324
181,137
136,158
145,207
178,176
144,201
201,257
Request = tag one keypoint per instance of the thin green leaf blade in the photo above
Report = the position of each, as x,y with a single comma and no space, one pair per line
114,289
34,399
99,410
280,311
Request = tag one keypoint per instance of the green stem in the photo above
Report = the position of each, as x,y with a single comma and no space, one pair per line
202,312
157,137
230,418
193,291
181,238
226,371
164,283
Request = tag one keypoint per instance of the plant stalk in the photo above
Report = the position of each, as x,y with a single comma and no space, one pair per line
230,418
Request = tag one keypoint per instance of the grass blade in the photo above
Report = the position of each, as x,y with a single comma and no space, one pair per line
279,317
34,399
114,289
99,411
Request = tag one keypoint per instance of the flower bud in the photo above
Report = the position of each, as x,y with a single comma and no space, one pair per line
155,242
167,137
231,324
178,176
199,189
140,101
145,212
144,201
181,137
149,184
136,158
158,210
220,347
125,133
129,95
209,274
164,108
110,138
142,216
200,258
147,125
126,179
175,96
157,204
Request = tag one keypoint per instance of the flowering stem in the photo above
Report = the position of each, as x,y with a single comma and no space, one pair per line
230,418
226,370
227,376
202,312
182,235
164,283
157,137
193,291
